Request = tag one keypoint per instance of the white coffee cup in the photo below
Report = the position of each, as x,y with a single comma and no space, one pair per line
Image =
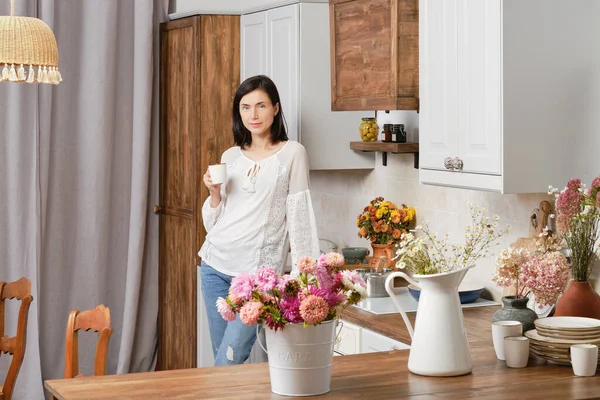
218,173
584,359
516,351
502,329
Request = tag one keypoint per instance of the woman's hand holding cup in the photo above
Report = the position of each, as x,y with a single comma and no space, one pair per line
214,177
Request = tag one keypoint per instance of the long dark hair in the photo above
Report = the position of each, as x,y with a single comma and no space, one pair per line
242,136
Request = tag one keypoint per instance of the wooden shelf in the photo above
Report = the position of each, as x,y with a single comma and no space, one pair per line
389,147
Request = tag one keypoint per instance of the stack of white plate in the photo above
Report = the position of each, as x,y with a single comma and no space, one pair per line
553,336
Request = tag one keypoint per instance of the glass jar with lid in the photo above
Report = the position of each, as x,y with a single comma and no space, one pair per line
369,129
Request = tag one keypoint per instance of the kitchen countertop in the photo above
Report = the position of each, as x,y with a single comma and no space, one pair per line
477,320
378,376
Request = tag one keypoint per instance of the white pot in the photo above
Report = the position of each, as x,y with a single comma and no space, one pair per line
300,358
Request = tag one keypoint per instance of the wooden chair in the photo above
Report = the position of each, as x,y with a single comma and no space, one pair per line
97,320
15,345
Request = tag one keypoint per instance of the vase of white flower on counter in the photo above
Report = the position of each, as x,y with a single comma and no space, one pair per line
439,344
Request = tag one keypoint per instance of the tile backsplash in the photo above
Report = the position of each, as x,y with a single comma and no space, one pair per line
339,196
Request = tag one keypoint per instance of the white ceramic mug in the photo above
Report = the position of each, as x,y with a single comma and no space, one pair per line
516,351
218,173
502,329
584,359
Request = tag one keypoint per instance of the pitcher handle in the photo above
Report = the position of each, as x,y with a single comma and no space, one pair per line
389,284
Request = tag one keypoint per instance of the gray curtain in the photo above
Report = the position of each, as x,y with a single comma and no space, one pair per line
78,178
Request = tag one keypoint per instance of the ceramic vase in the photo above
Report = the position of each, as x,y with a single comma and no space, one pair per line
515,309
386,250
579,300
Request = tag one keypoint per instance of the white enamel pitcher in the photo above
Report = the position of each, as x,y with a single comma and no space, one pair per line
439,341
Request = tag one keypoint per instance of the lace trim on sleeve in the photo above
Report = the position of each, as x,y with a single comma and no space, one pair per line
302,227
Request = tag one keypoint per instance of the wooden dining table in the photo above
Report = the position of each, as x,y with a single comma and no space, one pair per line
382,375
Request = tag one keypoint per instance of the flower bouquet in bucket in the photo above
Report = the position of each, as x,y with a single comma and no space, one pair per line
301,313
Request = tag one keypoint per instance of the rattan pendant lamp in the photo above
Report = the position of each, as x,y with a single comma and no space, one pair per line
27,43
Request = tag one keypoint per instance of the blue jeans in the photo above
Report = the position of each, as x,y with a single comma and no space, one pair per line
231,341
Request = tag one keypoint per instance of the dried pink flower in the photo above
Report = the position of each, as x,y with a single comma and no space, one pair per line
568,205
225,310
546,276
250,312
314,309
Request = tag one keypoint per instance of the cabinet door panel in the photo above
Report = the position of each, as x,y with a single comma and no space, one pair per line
438,64
372,342
254,45
282,61
479,85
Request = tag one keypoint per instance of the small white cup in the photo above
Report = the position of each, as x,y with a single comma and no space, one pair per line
218,173
516,351
502,329
584,358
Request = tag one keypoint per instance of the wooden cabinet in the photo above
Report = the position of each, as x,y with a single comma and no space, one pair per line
498,102
374,54
287,44
199,73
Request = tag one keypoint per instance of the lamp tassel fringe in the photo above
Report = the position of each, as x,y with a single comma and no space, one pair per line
44,74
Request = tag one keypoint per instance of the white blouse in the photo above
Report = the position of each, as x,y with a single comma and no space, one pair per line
263,205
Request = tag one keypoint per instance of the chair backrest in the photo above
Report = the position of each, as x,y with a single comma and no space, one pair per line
15,345
97,320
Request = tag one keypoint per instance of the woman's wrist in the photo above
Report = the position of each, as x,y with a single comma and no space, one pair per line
215,198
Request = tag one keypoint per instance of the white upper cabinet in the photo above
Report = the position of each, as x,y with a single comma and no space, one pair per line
253,44
503,96
290,44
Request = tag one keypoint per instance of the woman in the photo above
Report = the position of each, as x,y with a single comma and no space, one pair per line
264,203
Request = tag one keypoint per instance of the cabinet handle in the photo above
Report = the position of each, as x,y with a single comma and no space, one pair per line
457,164
448,163
157,209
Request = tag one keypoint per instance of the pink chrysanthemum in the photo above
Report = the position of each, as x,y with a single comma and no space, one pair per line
334,259
266,279
306,265
283,282
324,276
242,286
332,297
250,312
267,298
314,309
290,306
225,310
353,277
322,261
234,298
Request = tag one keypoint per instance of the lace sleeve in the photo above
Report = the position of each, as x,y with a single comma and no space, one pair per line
210,215
302,227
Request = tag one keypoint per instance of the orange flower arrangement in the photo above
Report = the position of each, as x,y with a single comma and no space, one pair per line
383,222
